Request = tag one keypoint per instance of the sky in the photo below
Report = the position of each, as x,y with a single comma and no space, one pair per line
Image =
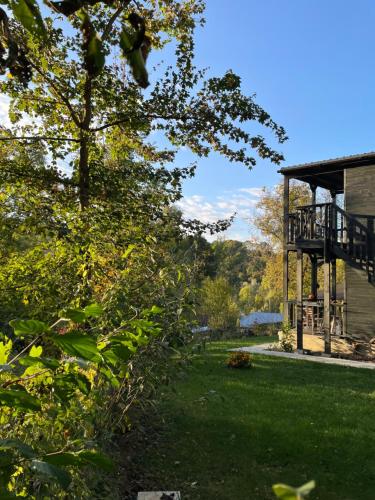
311,64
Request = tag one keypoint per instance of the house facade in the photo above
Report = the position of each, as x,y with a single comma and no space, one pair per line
322,233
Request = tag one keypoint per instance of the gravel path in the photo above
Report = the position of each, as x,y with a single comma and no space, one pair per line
264,349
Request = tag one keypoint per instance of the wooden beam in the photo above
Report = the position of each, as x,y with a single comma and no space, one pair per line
299,300
285,251
327,307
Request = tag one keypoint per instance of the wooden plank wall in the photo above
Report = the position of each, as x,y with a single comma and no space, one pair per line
360,294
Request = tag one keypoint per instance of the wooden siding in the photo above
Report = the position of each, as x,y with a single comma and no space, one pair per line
360,294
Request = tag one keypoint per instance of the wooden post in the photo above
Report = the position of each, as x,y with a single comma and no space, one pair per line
285,250
299,300
312,235
333,196
314,276
333,285
313,194
333,293
327,307
370,248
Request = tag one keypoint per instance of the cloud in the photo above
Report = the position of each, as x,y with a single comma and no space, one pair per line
253,191
223,207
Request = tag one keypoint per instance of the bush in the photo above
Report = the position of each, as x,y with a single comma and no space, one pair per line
286,338
239,360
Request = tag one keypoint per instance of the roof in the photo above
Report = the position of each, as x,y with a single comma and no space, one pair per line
328,174
260,318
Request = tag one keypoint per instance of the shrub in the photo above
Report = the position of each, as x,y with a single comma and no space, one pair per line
286,338
239,360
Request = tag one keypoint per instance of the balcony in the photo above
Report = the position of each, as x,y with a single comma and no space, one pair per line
327,229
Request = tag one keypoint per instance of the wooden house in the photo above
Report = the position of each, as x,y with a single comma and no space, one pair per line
326,232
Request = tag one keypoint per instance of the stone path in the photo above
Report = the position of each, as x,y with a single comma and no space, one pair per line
264,349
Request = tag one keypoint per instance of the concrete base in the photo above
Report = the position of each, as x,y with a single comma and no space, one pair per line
315,343
339,345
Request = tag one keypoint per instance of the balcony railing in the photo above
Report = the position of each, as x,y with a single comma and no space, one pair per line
339,232
310,222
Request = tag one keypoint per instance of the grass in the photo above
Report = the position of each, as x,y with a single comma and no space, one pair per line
233,433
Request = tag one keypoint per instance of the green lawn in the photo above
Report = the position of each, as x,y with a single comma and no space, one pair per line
231,434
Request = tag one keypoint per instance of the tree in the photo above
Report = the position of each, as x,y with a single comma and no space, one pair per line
87,113
218,307
247,297
270,209
231,260
77,97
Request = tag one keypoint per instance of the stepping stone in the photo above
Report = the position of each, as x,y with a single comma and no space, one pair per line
159,495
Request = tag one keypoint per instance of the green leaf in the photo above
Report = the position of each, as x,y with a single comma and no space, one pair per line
93,310
156,310
285,492
134,59
6,472
93,457
5,351
75,315
6,458
28,327
18,399
63,459
28,14
80,458
83,383
128,251
117,353
306,488
110,376
15,444
47,362
52,472
78,344
35,352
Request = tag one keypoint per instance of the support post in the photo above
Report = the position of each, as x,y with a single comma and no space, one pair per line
334,281
327,307
299,300
313,194
285,251
334,293
333,196
314,276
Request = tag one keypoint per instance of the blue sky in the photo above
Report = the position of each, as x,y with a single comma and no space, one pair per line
311,64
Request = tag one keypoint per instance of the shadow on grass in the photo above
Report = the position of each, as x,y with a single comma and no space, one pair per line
234,433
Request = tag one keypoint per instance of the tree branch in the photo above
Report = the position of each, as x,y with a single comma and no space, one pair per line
57,91
111,22
39,138
24,379
148,116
